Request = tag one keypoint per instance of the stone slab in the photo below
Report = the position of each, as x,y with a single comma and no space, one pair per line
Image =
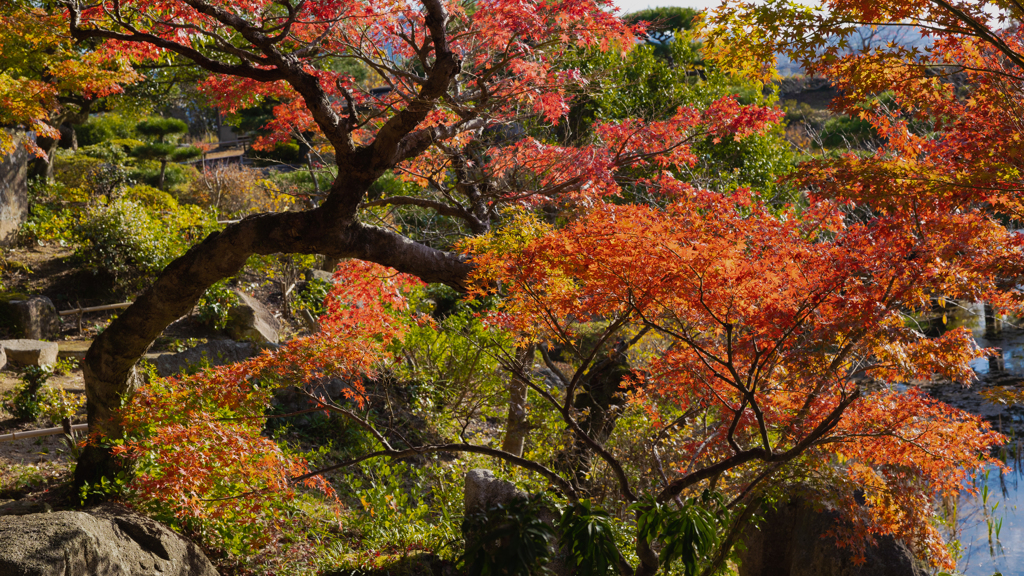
26,352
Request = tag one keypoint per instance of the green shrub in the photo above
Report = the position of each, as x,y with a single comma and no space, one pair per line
112,151
312,296
403,507
509,540
151,198
215,303
134,244
57,404
283,152
104,127
49,224
89,174
177,177
845,131
589,539
24,402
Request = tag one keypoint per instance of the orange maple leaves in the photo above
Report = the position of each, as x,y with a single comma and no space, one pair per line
198,440
767,325
508,51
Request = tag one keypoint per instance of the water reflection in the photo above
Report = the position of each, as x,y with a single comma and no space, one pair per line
990,331
990,525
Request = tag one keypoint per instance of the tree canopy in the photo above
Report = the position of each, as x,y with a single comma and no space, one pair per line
624,232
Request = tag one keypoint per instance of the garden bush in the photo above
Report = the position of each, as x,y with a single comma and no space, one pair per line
94,176
215,303
151,198
133,244
177,178
104,127
236,191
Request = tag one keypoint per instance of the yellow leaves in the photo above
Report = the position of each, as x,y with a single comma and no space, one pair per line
38,62
519,227
739,49
1007,395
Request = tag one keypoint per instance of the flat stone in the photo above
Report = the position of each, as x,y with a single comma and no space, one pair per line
22,507
30,352
213,353
109,540
250,321
73,348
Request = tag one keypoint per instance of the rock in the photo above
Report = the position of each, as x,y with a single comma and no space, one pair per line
22,507
324,275
484,491
109,540
213,353
252,322
30,352
289,400
35,318
791,541
13,189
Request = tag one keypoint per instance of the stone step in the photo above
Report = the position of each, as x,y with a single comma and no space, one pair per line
73,348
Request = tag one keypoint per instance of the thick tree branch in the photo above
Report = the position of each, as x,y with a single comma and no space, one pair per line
244,70
813,437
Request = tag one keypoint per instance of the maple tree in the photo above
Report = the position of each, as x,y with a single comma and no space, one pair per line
451,75
763,353
46,78
754,326
950,122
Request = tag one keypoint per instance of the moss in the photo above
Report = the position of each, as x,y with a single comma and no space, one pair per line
6,297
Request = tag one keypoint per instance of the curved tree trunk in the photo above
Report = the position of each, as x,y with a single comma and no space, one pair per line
110,364
330,229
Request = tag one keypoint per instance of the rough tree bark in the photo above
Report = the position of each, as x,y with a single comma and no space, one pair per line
110,364
517,426
331,229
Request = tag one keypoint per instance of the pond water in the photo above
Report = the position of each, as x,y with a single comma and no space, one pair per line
990,525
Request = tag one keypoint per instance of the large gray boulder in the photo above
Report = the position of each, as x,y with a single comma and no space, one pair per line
35,318
109,540
484,491
251,321
324,275
26,352
792,541
14,189
213,353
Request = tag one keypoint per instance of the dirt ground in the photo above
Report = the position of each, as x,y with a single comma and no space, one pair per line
30,466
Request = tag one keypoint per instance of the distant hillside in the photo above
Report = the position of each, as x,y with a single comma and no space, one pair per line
862,40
